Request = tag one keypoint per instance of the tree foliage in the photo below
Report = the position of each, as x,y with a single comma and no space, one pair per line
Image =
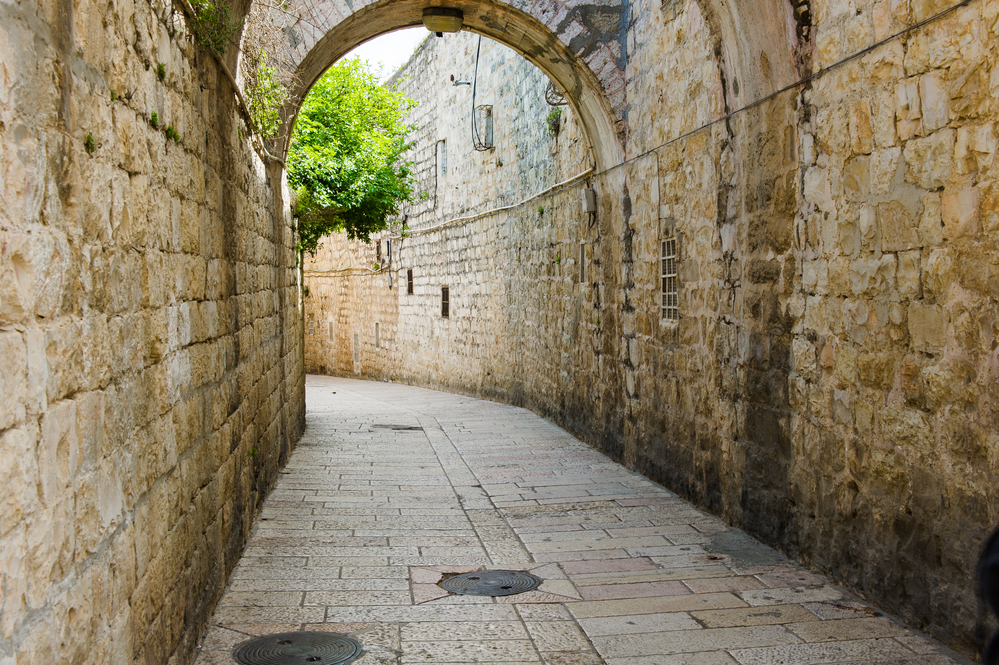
345,161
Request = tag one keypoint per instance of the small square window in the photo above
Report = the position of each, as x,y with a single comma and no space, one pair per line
445,302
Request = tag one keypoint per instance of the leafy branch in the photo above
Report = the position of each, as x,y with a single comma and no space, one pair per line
345,161
554,121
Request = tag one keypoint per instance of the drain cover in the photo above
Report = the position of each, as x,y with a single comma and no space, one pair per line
491,583
298,649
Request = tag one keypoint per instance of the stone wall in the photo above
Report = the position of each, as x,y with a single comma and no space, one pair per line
151,364
830,385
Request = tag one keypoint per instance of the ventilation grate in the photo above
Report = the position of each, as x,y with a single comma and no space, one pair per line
298,649
491,583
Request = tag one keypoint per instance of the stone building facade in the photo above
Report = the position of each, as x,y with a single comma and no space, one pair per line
150,334
828,379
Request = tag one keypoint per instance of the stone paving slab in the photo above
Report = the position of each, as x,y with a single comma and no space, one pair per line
393,487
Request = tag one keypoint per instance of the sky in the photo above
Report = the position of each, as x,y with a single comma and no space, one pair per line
391,50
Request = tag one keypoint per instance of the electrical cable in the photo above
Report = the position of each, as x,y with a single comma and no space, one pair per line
554,189
477,143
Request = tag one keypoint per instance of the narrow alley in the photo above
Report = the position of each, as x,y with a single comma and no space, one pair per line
394,488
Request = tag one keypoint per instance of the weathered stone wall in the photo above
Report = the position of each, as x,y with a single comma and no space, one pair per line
830,385
894,389
151,364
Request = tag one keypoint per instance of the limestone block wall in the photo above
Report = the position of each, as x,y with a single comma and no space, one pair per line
894,387
152,360
830,383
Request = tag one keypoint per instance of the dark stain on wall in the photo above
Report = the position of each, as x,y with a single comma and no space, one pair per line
603,23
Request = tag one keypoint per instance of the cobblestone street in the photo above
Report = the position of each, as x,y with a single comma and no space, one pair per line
392,488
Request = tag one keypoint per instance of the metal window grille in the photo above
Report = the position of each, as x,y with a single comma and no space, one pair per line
445,302
482,130
670,283
409,281
442,155
582,263
553,95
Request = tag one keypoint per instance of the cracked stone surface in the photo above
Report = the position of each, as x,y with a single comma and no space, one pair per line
392,487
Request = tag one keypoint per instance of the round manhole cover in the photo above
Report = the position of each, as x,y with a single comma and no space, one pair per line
298,649
491,583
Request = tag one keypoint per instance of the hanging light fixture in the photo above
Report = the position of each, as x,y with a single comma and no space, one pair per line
442,19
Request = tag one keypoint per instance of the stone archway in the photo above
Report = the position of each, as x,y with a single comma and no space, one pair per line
598,98
581,45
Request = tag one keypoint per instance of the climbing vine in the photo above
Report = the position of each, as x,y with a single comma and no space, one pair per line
213,25
554,121
265,95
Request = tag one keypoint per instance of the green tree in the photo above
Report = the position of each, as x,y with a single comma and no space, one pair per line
345,162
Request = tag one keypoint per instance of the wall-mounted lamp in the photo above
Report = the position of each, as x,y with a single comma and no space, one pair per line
442,19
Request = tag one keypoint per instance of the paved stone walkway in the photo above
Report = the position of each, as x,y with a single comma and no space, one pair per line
394,487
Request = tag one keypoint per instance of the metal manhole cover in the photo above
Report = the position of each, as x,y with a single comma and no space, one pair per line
298,649
491,583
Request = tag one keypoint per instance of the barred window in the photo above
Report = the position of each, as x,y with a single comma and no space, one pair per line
445,302
670,283
409,281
